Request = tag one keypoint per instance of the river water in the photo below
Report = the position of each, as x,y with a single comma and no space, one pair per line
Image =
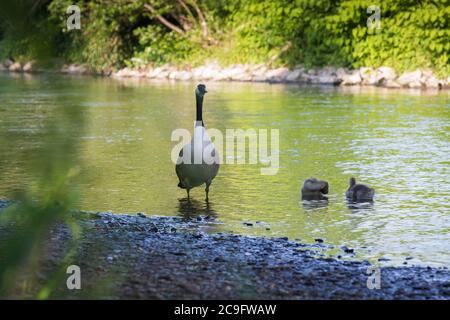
397,141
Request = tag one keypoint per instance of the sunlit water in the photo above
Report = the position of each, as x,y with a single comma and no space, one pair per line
395,141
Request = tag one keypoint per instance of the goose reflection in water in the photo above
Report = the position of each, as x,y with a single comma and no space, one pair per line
191,208
359,206
314,203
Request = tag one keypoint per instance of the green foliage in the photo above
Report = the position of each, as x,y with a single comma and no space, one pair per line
25,33
262,27
48,198
314,33
105,39
412,35
159,47
160,43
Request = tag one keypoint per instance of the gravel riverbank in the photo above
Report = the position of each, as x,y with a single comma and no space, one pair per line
143,257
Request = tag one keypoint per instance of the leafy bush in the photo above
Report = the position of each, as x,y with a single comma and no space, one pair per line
314,33
105,39
25,33
413,34
159,47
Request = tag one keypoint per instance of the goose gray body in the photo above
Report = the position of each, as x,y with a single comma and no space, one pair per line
190,173
358,192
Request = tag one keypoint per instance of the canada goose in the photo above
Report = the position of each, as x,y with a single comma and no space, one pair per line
359,192
314,189
198,161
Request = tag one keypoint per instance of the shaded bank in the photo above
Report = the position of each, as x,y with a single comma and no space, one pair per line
140,257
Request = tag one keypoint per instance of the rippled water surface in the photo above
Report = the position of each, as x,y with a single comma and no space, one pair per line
396,141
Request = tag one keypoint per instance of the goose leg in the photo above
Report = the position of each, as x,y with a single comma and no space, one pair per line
207,191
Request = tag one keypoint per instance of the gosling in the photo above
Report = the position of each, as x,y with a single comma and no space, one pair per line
314,189
359,192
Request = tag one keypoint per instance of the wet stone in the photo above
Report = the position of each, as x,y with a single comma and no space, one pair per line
188,265
347,249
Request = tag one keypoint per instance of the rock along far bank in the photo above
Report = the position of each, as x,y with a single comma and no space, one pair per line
365,76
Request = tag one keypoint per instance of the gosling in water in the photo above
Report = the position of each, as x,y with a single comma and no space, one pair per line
359,192
314,189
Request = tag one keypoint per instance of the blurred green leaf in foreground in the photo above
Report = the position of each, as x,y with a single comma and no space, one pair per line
43,203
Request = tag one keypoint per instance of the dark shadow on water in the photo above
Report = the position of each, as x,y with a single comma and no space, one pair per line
191,208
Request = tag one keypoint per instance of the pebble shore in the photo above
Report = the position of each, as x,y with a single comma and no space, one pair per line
135,256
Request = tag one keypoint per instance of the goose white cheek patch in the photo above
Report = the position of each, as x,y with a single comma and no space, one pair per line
207,147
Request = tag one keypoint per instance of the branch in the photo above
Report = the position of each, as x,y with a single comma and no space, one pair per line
163,20
186,8
202,18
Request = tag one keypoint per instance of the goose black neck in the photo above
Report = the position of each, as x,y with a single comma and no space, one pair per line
199,118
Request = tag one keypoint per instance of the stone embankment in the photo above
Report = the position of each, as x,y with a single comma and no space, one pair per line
365,76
